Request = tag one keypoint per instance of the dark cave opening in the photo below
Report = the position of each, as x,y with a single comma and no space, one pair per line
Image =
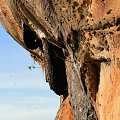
58,80
30,38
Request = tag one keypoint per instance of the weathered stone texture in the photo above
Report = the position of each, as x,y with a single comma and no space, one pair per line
81,37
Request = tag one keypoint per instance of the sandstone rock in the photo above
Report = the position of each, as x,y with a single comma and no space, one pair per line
79,37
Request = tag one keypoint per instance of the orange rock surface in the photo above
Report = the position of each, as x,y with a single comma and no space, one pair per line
103,44
65,111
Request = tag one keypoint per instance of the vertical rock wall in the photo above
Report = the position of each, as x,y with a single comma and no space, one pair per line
83,36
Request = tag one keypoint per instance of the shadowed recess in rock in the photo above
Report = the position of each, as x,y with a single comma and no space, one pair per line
30,38
56,70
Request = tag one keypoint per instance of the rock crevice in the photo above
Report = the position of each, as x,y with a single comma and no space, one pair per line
77,44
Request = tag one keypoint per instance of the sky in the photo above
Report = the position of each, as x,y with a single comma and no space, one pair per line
24,94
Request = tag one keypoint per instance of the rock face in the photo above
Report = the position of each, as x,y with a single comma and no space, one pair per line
77,43
65,112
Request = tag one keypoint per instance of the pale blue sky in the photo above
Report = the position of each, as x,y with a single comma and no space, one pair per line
24,94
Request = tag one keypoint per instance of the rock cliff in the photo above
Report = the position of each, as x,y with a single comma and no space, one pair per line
77,44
